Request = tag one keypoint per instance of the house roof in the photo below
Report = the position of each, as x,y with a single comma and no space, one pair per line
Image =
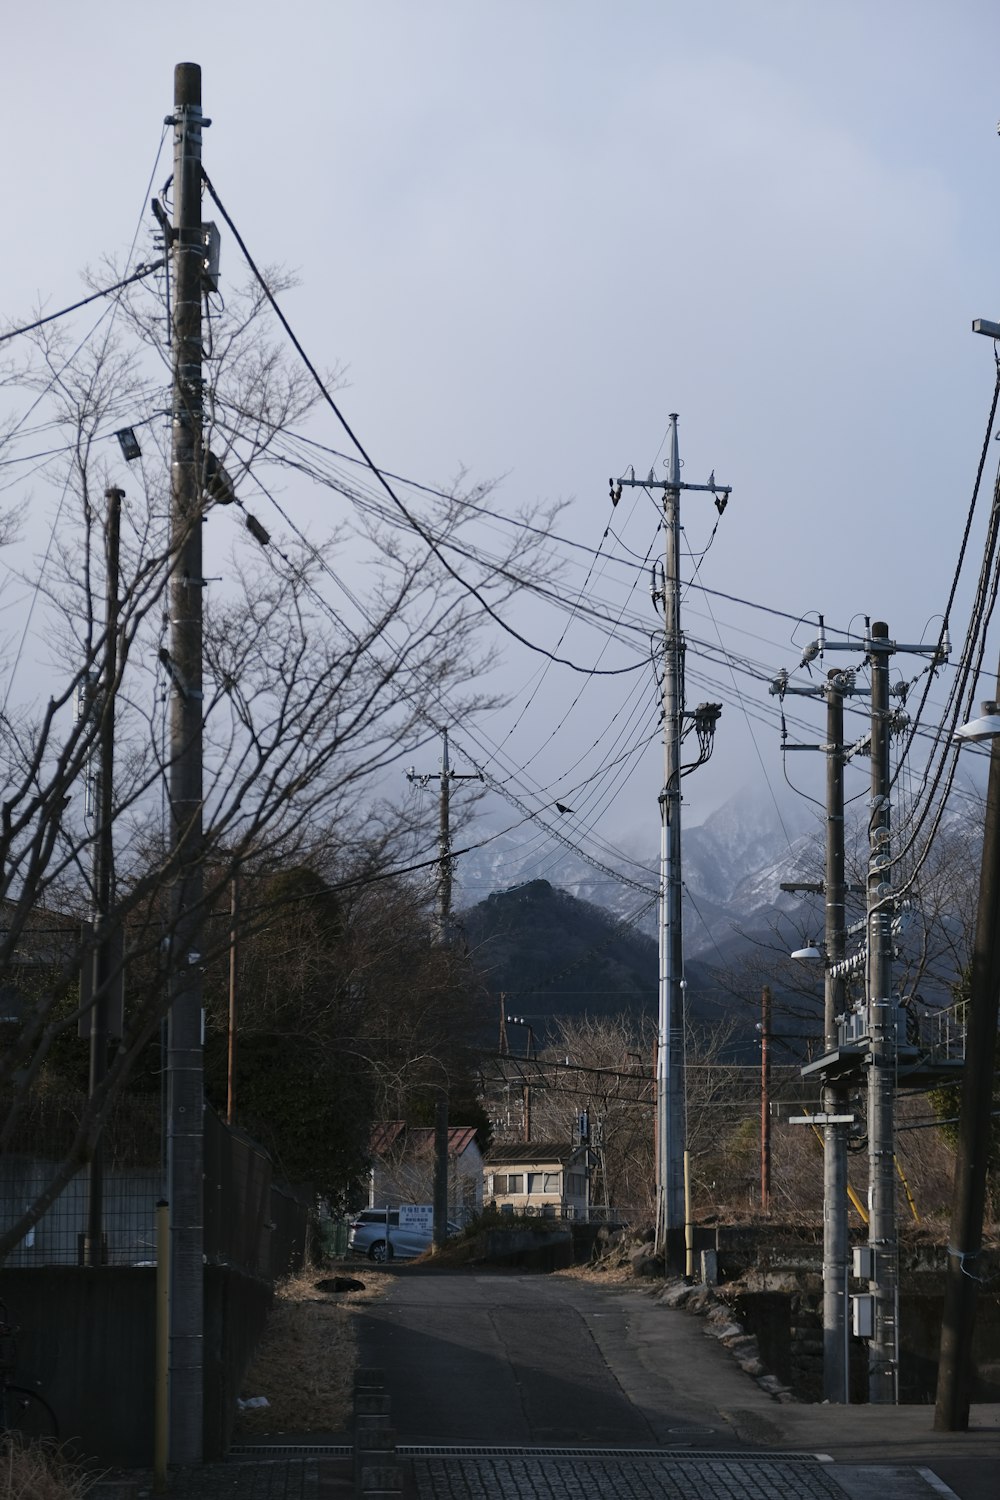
531,1152
394,1135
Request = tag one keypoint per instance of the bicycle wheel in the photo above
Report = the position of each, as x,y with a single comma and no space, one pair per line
28,1414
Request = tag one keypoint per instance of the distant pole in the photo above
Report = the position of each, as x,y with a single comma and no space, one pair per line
765,1100
975,1132
445,861
234,997
184,1057
103,872
444,840
882,1233
441,1169
835,1098
443,920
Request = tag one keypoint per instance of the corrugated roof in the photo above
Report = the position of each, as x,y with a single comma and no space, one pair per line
393,1135
384,1135
529,1152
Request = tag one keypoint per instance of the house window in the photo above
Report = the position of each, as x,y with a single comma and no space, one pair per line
543,1182
512,1182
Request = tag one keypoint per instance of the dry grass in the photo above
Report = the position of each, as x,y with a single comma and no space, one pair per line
306,1359
39,1471
602,1272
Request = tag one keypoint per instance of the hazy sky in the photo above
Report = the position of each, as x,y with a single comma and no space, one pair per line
532,230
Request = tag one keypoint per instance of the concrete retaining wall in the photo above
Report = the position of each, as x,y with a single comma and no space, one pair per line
86,1342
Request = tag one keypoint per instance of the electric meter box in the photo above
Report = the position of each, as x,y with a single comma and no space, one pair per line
863,1315
864,1262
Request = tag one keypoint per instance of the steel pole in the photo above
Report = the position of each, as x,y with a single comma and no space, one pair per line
185,1145
882,1235
835,1370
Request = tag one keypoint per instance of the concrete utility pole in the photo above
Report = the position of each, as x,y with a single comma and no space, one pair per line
185,1140
445,861
446,776
102,1024
671,1124
835,1096
976,1125
883,1355
851,1055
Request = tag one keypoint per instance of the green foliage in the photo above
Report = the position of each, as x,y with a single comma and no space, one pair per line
313,1116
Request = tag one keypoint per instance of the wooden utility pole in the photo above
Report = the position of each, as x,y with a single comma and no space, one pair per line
765,1099
975,1129
185,1101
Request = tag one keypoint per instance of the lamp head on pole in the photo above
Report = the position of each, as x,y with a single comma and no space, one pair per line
987,727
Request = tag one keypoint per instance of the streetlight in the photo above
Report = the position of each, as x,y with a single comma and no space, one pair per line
984,728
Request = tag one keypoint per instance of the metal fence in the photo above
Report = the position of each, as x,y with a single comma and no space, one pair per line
250,1221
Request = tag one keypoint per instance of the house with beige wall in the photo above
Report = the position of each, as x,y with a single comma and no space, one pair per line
551,1179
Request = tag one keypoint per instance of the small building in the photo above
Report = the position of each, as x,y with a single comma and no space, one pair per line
539,1177
403,1168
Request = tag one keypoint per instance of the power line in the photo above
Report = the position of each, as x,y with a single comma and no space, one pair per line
380,477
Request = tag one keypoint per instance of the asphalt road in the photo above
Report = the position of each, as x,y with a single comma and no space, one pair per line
527,1362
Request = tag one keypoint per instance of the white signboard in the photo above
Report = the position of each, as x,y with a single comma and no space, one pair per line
417,1216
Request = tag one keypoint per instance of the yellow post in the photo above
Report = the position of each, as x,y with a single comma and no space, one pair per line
906,1189
161,1415
688,1226
859,1206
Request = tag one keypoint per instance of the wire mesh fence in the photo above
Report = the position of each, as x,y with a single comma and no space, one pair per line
250,1221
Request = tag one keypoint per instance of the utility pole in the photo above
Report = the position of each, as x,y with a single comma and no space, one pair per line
883,1359
671,1125
849,1057
976,1125
765,1100
836,1373
445,861
446,776
838,685
185,1141
101,1023
232,1039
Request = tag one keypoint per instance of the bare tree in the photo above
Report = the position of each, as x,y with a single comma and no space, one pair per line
325,664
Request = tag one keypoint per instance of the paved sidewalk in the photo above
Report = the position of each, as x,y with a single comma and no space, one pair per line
714,1476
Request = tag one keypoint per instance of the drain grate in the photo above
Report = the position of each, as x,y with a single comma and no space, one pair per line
291,1450
446,1450
493,1450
